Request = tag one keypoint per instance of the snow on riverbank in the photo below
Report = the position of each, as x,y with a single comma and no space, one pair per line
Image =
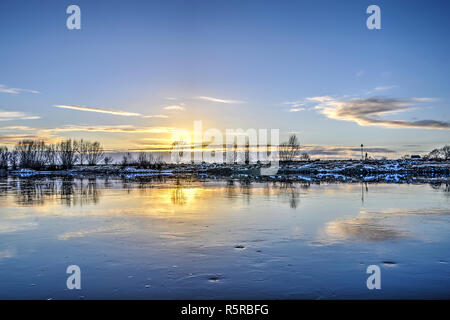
393,171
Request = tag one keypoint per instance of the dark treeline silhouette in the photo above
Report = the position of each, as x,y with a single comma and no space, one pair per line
144,160
37,155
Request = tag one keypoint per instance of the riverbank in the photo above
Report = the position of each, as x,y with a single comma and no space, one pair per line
392,171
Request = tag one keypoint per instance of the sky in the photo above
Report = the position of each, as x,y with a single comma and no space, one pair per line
138,70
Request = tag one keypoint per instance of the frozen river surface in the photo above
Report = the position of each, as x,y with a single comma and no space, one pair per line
187,239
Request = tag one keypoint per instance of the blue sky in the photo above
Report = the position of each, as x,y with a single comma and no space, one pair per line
310,67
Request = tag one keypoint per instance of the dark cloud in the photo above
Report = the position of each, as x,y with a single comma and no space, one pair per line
370,111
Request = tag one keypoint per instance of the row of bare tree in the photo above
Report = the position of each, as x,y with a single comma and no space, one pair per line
288,151
144,160
36,154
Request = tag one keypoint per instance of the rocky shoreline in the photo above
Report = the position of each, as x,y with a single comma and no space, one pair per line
388,171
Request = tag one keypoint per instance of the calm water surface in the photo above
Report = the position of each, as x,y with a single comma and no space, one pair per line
184,239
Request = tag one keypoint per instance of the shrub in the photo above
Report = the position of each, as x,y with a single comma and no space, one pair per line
108,160
290,150
442,153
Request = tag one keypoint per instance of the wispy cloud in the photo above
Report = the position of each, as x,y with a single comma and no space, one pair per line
5,89
296,109
369,111
110,111
100,110
175,107
120,129
26,131
381,88
162,116
212,99
295,106
15,115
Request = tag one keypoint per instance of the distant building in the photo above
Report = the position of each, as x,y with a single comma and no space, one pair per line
415,157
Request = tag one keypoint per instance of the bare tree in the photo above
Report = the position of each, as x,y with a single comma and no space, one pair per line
290,150
142,160
158,161
442,153
435,154
305,157
145,160
31,154
95,153
13,159
247,151
446,152
4,158
82,149
127,160
51,156
67,152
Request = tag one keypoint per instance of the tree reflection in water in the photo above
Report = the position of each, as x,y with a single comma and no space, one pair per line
444,187
83,191
178,196
67,190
